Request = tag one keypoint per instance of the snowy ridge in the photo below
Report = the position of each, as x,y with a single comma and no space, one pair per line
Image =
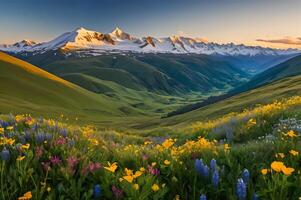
118,41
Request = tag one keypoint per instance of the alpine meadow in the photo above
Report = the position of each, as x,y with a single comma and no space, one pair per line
150,100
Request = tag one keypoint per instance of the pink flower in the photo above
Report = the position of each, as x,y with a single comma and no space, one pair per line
145,157
60,141
72,161
94,166
153,171
118,193
38,152
55,160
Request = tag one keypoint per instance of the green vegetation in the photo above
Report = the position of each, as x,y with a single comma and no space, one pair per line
164,74
47,159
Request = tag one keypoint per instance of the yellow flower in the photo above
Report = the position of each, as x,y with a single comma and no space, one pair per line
147,142
48,189
277,166
26,196
226,147
19,118
281,155
111,167
168,143
142,169
128,171
136,187
129,178
287,170
294,153
177,197
9,141
25,146
166,162
154,164
93,141
20,158
9,128
264,171
1,130
291,134
155,187
137,174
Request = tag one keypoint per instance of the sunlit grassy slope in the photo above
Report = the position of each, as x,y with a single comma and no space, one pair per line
277,90
28,89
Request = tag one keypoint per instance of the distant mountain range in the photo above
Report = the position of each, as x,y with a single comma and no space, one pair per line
95,43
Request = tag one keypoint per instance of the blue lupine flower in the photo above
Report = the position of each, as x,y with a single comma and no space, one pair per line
5,154
241,189
40,138
48,137
205,171
64,133
97,191
22,139
215,178
35,127
202,169
203,197
27,136
255,197
213,165
198,164
246,176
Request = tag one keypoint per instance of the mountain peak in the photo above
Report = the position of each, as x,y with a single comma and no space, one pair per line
117,30
120,34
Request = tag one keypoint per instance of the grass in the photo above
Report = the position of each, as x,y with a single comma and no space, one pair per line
28,89
47,159
277,90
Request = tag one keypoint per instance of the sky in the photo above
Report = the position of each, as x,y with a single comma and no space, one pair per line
273,23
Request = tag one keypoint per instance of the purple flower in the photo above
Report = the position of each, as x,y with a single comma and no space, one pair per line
145,157
94,166
118,193
246,176
38,152
40,138
241,189
60,141
213,165
5,155
202,169
153,171
55,160
64,132
97,192
203,197
215,178
72,161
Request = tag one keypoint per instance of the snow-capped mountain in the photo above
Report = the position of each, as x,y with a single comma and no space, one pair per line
95,43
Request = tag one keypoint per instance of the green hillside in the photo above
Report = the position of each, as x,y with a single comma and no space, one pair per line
277,90
164,74
28,89
288,68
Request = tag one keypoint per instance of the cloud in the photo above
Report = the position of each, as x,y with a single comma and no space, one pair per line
286,40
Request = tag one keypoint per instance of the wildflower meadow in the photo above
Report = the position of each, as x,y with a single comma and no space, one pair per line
253,155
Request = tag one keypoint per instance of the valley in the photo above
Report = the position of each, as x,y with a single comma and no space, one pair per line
109,115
